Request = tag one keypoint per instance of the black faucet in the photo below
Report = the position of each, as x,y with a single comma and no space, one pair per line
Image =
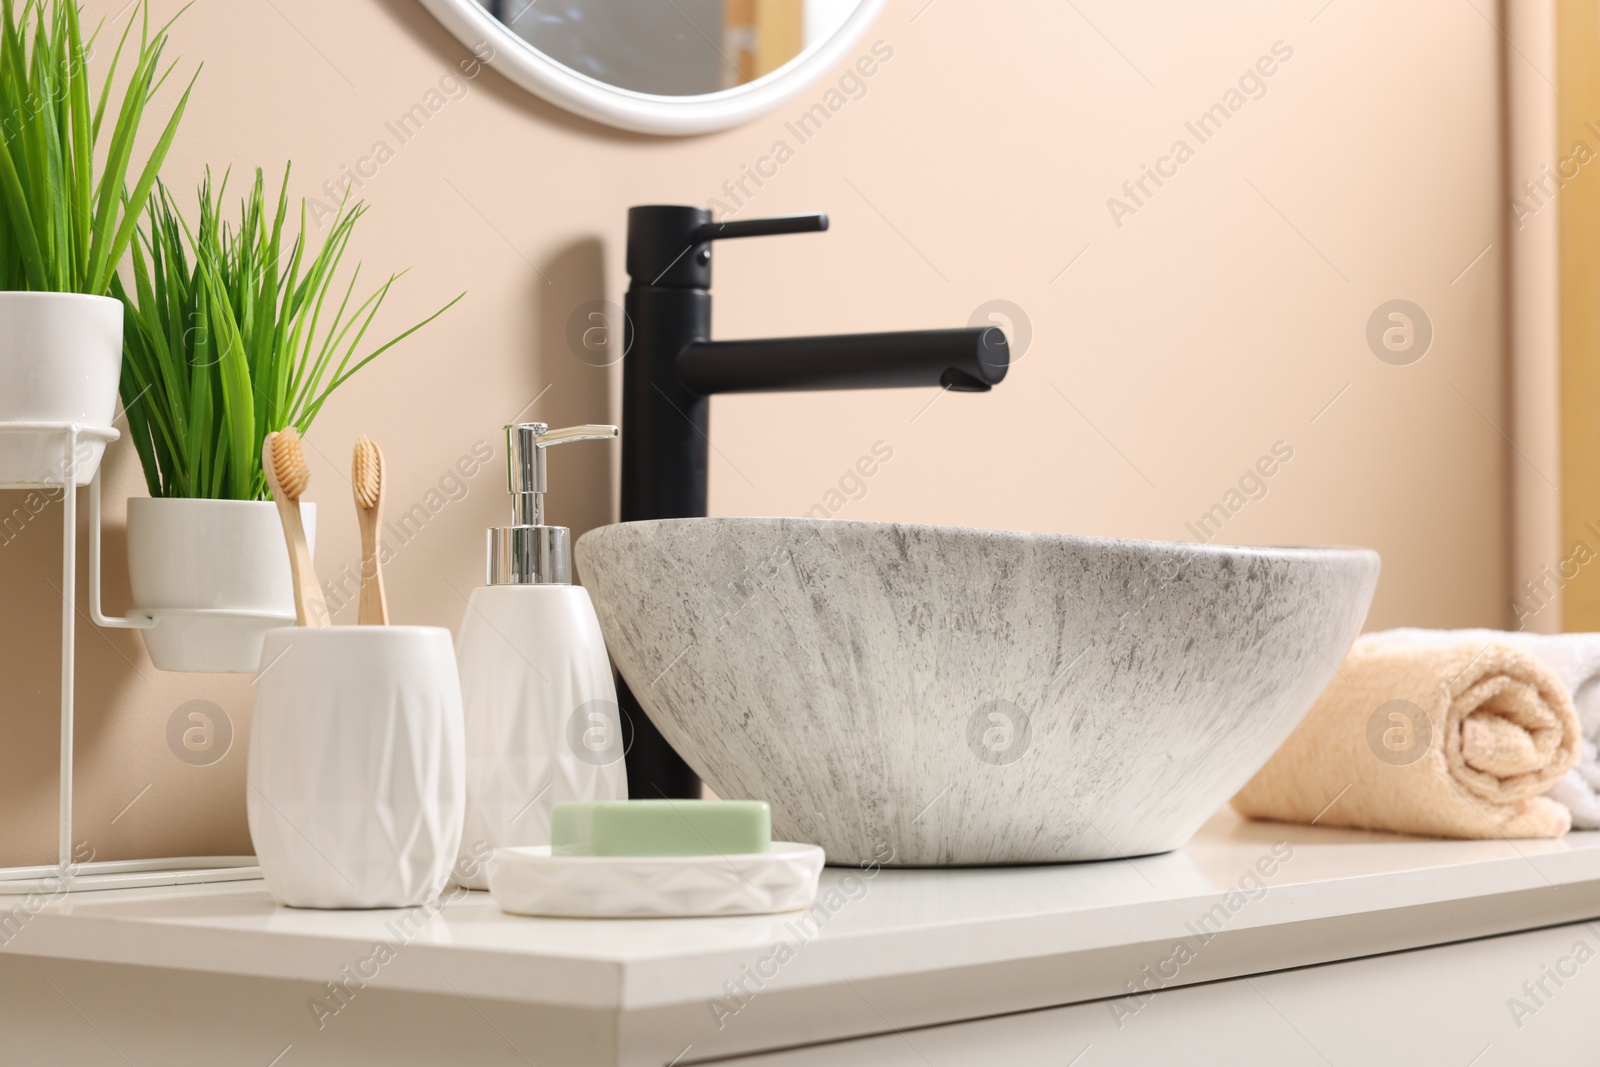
672,368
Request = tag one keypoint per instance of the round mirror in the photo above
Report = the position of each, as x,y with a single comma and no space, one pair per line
660,66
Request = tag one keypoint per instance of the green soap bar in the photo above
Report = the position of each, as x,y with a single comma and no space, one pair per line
660,828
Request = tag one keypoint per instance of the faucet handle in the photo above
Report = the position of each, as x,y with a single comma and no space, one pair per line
669,246
716,231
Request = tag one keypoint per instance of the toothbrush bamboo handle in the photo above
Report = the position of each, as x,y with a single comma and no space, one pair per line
374,609
310,609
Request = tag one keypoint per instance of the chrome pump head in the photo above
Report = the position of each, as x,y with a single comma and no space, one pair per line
528,552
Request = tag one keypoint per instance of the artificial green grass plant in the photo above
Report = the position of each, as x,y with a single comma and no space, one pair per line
229,334
65,229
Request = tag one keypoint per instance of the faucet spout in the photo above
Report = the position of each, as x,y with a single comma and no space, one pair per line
969,360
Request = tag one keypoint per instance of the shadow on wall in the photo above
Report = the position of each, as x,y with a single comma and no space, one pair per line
135,794
30,633
578,349
30,562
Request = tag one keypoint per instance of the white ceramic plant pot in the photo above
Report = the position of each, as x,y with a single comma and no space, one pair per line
60,362
215,573
219,554
356,774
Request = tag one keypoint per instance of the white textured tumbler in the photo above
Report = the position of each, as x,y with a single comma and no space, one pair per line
357,781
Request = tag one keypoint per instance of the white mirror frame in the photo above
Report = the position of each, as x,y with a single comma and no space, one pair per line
645,112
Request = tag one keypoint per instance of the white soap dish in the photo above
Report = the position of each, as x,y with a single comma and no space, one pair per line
530,881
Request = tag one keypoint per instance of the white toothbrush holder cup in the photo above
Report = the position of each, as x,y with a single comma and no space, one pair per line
357,770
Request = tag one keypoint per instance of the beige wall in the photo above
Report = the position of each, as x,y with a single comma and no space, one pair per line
1220,318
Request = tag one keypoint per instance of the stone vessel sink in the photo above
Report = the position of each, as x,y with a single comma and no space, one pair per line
931,696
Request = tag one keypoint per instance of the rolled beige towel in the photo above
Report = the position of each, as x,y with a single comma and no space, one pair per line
1459,740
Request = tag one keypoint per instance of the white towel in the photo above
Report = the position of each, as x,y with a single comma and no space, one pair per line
1575,658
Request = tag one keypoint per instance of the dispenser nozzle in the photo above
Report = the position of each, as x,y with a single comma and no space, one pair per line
525,469
528,552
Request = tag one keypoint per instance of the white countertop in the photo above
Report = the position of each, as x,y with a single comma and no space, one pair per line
921,945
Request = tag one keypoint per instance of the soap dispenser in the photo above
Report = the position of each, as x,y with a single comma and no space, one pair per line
542,722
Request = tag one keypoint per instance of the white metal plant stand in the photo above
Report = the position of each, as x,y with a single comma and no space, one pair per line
68,875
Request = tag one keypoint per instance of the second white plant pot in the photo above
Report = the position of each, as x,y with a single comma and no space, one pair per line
215,574
60,362
356,787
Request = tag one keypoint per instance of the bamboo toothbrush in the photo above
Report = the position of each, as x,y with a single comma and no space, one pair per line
366,478
284,461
